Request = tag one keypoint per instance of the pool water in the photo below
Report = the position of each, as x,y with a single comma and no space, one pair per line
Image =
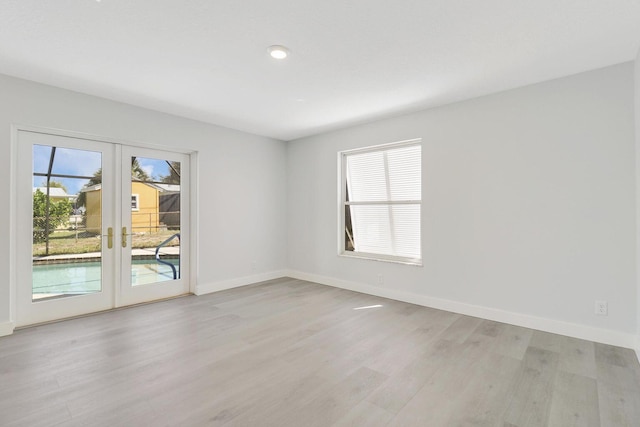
85,277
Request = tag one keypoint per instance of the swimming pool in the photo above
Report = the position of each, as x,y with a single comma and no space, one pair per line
85,277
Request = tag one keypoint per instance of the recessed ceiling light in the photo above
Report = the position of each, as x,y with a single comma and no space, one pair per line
278,52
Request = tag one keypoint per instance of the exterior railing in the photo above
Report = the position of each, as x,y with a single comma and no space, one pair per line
173,267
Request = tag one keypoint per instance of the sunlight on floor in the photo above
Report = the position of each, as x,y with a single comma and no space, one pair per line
368,306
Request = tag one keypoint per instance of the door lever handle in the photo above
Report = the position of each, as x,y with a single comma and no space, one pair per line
124,237
110,237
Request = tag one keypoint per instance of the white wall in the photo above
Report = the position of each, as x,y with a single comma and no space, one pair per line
242,177
528,209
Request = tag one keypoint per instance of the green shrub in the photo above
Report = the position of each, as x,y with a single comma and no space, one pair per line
58,215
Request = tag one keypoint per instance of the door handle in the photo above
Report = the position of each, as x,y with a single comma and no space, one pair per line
124,237
110,237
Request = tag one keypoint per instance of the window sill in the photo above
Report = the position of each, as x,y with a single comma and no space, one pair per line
382,258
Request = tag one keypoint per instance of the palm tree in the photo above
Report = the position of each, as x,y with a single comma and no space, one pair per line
137,172
174,173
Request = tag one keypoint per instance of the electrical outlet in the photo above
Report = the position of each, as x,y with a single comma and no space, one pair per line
380,279
601,308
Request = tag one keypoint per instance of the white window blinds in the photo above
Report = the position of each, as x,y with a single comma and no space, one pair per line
383,199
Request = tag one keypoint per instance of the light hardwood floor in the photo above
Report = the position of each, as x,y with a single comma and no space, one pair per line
293,353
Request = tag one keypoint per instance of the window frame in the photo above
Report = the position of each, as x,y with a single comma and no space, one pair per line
342,203
137,198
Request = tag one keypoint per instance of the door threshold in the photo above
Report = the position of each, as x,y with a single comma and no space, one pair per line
80,316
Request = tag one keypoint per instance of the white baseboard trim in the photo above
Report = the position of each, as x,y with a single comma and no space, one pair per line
6,328
604,336
207,288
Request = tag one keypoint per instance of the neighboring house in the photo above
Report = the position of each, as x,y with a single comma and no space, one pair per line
93,207
145,207
56,194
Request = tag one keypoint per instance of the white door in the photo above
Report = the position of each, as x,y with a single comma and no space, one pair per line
89,223
154,235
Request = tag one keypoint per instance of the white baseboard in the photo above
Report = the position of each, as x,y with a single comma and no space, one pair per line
207,288
637,348
6,328
604,336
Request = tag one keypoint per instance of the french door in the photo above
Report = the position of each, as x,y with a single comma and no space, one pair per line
99,225
154,229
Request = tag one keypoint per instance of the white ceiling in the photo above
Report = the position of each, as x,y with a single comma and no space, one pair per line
352,60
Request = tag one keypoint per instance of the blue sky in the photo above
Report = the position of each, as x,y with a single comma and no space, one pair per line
69,161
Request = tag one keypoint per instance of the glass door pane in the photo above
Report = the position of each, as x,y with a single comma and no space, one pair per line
155,220
67,222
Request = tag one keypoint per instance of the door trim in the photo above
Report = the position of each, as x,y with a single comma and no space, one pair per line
13,211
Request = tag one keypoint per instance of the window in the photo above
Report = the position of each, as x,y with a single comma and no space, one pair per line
134,202
381,202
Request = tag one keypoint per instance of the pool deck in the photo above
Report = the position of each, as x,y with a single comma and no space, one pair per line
144,252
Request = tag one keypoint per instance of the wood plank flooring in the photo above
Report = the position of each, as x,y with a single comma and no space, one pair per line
293,353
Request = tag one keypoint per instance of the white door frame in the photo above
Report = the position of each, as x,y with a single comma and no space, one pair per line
14,209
